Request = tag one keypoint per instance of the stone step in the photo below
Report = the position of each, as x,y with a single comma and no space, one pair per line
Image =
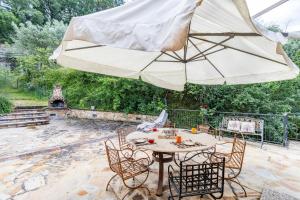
23,123
30,107
3,119
28,110
24,114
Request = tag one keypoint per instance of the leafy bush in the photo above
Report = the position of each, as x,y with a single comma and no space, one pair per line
5,105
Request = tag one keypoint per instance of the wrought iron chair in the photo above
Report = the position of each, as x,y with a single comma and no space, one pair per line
233,161
122,133
169,124
133,171
206,128
197,179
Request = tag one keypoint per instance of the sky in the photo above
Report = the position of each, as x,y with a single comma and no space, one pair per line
287,15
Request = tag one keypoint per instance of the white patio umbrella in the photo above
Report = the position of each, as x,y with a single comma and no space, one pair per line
171,42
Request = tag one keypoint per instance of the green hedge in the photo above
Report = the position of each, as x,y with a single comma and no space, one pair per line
5,105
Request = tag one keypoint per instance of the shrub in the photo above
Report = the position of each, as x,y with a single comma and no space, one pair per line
5,105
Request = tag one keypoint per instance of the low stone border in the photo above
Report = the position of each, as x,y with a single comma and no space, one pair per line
101,115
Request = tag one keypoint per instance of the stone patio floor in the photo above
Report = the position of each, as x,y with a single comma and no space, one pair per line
65,160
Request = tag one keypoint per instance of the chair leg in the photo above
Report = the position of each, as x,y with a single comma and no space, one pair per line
170,188
262,141
144,187
239,184
129,190
110,181
126,194
215,197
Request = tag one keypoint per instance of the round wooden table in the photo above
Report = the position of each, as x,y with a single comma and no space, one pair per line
164,150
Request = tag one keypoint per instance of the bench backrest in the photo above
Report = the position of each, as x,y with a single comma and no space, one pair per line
259,123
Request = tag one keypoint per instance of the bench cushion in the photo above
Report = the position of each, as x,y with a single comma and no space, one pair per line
234,125
248,127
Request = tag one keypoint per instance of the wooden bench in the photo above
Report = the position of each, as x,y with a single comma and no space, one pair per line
258,130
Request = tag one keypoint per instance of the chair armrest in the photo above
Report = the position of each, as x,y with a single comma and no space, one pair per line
220,154
224,143
131,163
126,152
142,153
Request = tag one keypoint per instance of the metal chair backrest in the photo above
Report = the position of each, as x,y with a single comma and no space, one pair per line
203,128
202,178
123,132
113,157
238,152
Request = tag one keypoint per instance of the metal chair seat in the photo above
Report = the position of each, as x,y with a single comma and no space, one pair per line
229,163
189,186
132,168
197,178
126,166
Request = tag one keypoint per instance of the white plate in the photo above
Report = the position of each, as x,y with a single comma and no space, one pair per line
188,143
138,141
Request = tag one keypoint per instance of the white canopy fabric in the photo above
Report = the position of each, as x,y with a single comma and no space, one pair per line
294,35
171,42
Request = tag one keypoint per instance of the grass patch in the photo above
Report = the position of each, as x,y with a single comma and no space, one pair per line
23,98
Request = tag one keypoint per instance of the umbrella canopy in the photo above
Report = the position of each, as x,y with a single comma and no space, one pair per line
171,42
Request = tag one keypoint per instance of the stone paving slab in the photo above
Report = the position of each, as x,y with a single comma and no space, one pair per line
70,164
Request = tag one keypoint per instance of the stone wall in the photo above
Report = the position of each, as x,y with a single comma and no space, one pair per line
112,116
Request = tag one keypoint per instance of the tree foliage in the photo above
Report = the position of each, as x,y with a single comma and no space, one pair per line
6,25
44,31
30,37
42,11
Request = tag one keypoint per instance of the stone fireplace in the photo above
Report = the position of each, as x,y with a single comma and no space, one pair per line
57,100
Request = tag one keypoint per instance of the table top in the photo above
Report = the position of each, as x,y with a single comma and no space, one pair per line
165,145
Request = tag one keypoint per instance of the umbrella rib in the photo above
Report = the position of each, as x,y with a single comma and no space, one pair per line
167,61
240,50
88,47
152,61
196,60
215,45
171,56
225,34
177,55
209,53
207,59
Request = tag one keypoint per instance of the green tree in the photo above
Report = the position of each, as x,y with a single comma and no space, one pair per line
6,25
30,37
25,10
32,68
41,11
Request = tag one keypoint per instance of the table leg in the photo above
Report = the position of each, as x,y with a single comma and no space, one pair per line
160,175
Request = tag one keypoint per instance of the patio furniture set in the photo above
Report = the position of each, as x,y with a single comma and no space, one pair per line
199,168
192,47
